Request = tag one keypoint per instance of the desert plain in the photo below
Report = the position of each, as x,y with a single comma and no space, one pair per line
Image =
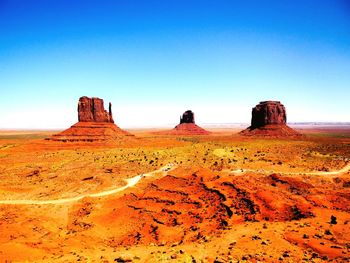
221,197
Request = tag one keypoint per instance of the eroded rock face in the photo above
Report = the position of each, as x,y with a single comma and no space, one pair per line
268,112
187,117
92,110
269,120
95,125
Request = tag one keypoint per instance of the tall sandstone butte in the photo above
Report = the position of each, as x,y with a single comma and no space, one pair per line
187,117
94,124
92,110
268,112
269,118
187,126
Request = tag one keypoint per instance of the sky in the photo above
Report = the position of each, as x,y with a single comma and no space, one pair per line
155,59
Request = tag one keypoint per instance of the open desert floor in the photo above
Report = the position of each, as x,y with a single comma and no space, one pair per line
153,198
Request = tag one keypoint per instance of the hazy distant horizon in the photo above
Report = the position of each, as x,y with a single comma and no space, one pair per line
204,125
155,59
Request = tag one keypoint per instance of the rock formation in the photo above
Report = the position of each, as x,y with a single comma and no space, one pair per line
95,124
187,117
269,118
92,110
268,112
187,126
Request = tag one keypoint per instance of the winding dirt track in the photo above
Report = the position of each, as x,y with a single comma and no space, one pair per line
345,169
130,182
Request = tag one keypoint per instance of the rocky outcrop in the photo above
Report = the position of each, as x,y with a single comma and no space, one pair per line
187,117
195,203
92,110
95,124
187,126
269,119
268,112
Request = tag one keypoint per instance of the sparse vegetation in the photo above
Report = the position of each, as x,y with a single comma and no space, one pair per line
206,203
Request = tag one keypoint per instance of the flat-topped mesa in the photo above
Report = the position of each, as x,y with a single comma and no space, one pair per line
92,110
187,117
269,119
268,112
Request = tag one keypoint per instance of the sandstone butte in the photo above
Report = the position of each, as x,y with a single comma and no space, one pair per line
94,124
187,126
269,119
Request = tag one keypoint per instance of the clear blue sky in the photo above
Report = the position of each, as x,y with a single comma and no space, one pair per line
156,59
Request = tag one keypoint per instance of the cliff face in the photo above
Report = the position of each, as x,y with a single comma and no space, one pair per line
95,124
268,112
187,117
269,119
92,110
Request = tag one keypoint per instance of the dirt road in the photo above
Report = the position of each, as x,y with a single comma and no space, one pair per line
345,169
130,182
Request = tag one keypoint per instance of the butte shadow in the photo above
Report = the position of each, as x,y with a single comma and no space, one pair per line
269,119
94,124
187,126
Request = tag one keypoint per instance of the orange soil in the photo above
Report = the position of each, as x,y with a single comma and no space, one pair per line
271,130
199,211
90,132
186,129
